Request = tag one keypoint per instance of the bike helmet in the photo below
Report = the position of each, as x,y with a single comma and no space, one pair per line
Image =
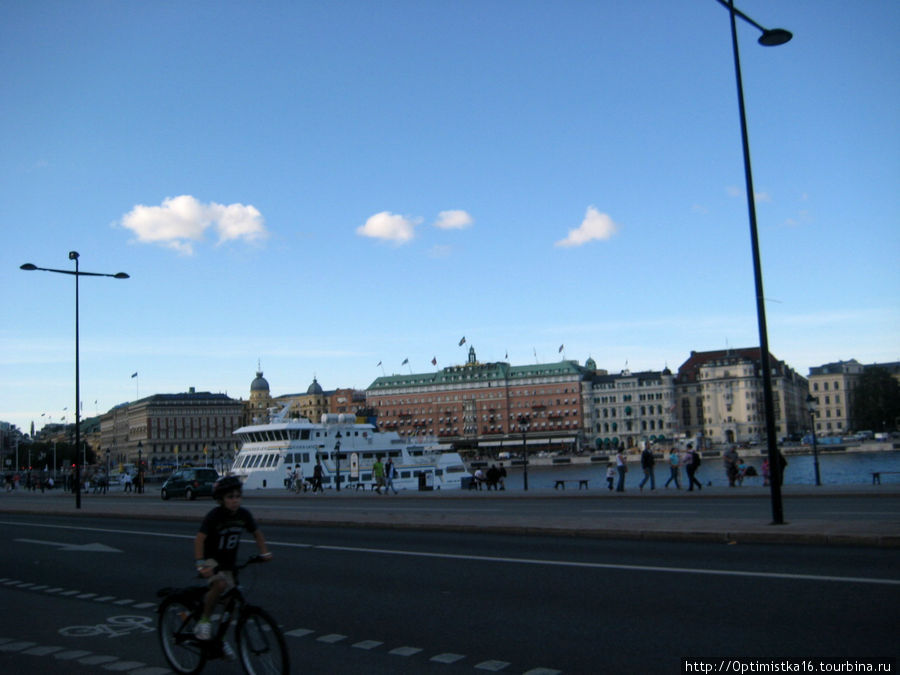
225,485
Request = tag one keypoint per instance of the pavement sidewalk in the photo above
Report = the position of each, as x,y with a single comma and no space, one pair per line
595,514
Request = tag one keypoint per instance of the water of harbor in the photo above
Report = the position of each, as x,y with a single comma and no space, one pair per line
834,469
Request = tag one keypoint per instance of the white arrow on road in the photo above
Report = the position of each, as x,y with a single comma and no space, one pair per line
96,547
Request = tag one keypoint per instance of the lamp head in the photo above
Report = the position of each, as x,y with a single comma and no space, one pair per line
28,266
73,255
121,275
775,37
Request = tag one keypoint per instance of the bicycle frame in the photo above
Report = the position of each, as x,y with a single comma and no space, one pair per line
233,606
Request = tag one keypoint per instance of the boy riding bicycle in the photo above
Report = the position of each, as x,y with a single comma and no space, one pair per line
216,545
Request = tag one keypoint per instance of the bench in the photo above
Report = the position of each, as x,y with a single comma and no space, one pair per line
561,484
876,476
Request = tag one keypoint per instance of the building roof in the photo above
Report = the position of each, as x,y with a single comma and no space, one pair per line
690,369
260,383
486,373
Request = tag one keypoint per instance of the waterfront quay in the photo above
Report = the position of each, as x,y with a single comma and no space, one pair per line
849,515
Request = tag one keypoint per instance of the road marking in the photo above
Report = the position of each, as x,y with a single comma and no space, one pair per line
521,561
449,657
405,651
493,666
638,511
368,644
331,638
64,546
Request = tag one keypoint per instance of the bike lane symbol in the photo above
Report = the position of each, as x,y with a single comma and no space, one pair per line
115,626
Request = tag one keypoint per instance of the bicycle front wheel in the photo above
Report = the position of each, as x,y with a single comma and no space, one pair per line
184,652
261,644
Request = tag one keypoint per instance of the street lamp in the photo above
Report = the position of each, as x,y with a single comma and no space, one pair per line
524,421
337,459
106,487
812,405
28,267
140,474
769,38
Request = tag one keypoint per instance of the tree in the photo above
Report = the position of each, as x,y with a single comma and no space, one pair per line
876,400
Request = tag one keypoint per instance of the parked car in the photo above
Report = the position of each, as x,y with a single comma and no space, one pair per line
189,483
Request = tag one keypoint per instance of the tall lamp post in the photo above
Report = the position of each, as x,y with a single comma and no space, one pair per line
337,459
769,38
812,405
524,421
73,255
140,473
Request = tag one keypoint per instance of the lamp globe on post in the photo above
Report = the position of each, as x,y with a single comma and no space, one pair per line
140,473
812,405
337,459
523,426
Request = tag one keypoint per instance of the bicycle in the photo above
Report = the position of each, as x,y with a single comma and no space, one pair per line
260,643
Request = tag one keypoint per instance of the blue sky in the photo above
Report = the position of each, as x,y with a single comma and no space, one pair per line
320,187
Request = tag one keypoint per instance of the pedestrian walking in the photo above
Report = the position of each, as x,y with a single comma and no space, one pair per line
621,469
674,463
694,462
730,460
389,473
378,474
648,461
317,478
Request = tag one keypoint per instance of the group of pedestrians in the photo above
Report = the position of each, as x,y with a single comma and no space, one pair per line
689,460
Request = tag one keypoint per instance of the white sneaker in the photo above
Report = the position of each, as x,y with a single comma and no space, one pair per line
203,630
227,652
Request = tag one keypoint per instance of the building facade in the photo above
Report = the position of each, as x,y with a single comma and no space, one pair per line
630,408
168,430
832,386
720,397
476,406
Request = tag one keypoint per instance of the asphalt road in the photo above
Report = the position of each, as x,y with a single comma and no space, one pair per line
379,600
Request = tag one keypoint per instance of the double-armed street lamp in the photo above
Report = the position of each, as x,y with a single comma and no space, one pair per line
769,38
73,255
812,405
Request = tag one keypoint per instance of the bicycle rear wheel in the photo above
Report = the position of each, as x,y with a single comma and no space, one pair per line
261,644
175,627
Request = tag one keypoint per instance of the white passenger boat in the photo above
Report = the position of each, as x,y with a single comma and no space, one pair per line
269,450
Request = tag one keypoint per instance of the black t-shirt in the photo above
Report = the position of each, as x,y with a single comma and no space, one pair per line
223,531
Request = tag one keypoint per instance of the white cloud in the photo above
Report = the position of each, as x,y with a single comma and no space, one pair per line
595,225
181,221
453,220
390,227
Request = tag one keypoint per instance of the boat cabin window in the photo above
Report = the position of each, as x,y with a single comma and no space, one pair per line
405,474
456,468
367,476
272,460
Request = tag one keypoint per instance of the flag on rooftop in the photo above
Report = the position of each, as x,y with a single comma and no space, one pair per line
378,364
434,361
134,375
561,347
405,361
462,341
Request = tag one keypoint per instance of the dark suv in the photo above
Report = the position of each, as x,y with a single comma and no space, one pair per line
190,483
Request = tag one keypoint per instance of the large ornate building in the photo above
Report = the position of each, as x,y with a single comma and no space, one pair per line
629,408
167,430
486,405
720,397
